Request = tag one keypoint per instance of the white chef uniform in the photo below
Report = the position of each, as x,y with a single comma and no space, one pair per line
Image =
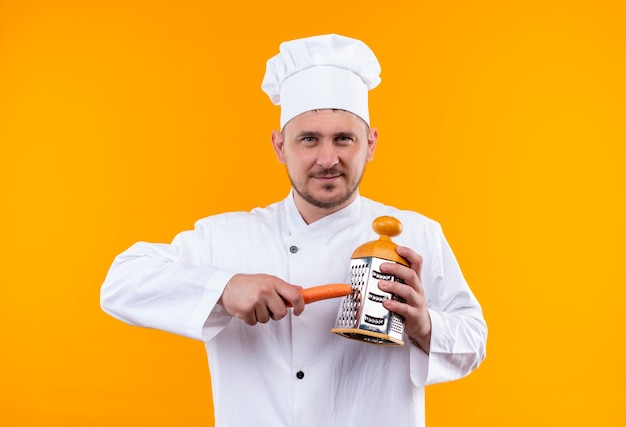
295,372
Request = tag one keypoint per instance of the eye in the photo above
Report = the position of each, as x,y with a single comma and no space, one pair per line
344,140
308,140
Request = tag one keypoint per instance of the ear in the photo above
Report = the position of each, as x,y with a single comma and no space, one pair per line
371,143
279,145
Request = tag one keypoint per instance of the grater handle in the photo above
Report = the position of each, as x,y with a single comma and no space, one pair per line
387,226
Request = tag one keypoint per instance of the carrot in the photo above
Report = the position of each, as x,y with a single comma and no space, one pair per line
318,293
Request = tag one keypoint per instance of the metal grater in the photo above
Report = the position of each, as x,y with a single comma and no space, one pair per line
361,314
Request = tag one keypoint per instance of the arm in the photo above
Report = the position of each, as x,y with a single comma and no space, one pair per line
175,288
167,287
443,319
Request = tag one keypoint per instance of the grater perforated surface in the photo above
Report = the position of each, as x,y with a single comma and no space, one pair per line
361,314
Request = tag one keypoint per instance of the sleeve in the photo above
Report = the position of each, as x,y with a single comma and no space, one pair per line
459,331
171,287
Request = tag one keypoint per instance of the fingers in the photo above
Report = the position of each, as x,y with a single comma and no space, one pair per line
413,307
415,260
262,314
259,298
293,297
287,295
409,287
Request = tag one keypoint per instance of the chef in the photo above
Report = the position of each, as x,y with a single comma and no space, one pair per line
234,281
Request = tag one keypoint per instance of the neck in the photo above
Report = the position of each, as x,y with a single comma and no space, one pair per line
311,213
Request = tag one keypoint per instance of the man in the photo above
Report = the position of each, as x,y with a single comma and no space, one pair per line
234,281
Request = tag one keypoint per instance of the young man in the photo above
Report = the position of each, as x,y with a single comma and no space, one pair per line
233,282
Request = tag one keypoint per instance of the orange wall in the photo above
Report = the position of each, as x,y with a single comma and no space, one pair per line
128,120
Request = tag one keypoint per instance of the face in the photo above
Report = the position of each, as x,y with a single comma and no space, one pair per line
325,152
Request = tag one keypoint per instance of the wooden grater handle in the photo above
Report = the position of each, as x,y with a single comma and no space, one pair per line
384,248
387,226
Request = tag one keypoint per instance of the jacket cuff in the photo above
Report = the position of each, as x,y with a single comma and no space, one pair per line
423,366
209,318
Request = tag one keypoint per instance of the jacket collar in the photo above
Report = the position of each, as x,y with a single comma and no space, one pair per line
342,218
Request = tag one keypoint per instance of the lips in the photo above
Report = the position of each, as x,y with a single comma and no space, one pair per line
327,174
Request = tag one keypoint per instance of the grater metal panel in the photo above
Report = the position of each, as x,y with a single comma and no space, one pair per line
361,314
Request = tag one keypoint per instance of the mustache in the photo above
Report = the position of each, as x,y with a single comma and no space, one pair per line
321,173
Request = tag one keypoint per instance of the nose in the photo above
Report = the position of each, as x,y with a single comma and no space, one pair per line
327,155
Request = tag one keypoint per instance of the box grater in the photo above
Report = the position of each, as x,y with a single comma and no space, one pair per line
361,314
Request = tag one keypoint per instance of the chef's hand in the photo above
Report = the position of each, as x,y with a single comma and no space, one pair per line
259,298
416,316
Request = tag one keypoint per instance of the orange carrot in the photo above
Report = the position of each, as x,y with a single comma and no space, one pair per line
318,293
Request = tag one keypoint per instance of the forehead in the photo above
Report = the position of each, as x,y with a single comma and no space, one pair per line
327,121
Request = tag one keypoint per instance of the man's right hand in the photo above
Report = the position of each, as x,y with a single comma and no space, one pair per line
260,297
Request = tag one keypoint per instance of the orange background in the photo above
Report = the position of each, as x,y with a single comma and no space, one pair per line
128,120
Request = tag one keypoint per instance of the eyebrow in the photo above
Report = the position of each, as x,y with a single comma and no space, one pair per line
320,134
308,133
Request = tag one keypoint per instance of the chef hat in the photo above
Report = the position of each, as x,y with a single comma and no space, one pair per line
328,71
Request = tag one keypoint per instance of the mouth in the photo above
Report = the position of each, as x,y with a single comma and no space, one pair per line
327,179
327,174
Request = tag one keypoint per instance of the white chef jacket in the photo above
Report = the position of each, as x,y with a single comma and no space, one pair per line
295,372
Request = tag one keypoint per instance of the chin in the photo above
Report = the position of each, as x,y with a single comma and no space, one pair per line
329,202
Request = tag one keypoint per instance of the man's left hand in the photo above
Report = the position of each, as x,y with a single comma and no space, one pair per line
417,318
